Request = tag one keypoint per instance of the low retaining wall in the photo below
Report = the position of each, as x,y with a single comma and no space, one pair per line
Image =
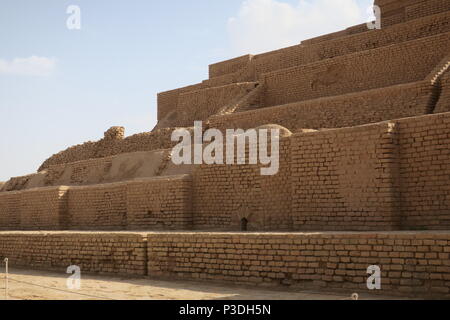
412,263
103,253
163,203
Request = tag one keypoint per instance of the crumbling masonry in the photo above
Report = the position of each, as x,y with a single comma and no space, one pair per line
364,164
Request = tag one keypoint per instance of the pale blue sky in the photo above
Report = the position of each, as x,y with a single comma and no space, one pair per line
82,82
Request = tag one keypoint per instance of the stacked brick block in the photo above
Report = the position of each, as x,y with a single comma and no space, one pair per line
443,104
426,8
348,110
229,66
367,70
200,105
146,204
384,176
102,253
344,179
425,171
389,175
226,194
163,203
9,210
158,139
44,209
98,207
254,68
411,263
314,50
400,11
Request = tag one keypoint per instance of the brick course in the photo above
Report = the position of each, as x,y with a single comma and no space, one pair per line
163,203
348,110
102,253
412,263
367,71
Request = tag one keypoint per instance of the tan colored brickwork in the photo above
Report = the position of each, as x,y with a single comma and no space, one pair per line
226,194
309,53
411,263
356,176
9,210
144,204
367,70
335,35
236,70
341,43
229,66
121,167
425,171
426,8
99,207
168,100
44,209
336,112
159,139
103,253
163,203
385,176
200,105
251,68
444,100
344,179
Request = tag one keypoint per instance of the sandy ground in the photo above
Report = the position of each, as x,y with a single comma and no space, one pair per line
43,285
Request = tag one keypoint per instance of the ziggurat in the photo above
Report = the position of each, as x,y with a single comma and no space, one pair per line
364,173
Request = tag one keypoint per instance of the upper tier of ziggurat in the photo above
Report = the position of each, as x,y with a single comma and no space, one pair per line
364,172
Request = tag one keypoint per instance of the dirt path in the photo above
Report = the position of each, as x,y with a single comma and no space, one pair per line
43,285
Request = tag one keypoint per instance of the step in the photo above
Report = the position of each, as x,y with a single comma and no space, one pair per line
410,263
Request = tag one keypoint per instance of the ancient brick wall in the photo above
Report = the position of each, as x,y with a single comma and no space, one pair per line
228,66
384,176
150,204
226,194
103,253
200,105
159,139
411,263
285,58
354,39
9,210
425,171
333,45
335,35
443,104
426,8
44,209
168,100
98,207
163,203
336,112
367,70
344,179
81,172
309,53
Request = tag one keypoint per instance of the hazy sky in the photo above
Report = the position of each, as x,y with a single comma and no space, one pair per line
61,87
